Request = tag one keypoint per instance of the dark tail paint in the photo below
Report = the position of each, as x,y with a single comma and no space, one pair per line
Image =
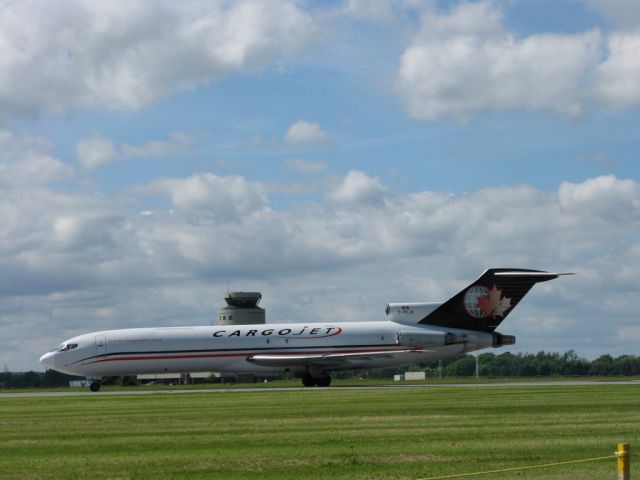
486,302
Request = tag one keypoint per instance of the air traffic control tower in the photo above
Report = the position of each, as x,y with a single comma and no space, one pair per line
242,309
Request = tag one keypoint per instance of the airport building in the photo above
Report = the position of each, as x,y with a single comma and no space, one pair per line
241,309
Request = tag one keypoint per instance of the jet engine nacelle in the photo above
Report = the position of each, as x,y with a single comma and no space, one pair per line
500,340
429,339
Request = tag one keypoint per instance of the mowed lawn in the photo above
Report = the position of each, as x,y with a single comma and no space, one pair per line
367,433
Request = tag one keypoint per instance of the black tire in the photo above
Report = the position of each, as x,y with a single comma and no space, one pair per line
94,387
308,380
324,381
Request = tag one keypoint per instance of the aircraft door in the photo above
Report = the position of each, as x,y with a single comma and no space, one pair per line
101,344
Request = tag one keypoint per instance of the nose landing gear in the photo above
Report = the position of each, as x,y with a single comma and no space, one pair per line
95,386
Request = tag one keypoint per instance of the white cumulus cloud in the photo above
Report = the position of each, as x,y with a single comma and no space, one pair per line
358,188
209,195
26,160
124,55
95,151
306,134
616,81
34,170
605,196
464,62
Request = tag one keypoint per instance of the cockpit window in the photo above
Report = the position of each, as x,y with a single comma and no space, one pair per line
67,346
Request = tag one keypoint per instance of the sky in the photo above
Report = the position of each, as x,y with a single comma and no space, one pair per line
333,155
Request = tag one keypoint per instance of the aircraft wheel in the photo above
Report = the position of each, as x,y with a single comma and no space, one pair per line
308,380
94,387
324,381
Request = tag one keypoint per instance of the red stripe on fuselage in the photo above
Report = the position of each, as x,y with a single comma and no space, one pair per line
246,354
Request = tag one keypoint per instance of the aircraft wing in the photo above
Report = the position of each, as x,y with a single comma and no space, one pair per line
323,360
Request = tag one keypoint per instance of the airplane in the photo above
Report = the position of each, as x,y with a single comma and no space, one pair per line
412,333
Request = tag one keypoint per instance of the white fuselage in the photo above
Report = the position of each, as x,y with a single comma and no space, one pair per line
230,348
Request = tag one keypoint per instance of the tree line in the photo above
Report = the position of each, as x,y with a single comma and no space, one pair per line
32,379
541,364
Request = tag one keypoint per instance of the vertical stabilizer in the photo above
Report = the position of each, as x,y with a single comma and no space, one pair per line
485,303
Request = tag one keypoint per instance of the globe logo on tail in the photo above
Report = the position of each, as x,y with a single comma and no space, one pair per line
481,302
471,304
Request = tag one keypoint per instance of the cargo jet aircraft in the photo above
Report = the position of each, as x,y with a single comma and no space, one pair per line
412,333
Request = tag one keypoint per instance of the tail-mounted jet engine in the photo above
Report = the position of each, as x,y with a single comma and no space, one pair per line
441,339
429,339
500,340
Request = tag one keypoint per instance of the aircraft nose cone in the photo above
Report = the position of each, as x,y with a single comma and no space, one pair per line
47,359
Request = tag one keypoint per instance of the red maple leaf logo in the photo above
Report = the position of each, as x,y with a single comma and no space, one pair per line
494,304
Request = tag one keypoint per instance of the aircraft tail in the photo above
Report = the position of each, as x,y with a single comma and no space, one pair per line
484,304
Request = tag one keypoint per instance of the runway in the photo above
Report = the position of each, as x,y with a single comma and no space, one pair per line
301,388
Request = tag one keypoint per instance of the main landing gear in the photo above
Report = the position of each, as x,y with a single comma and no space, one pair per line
95,386
322,381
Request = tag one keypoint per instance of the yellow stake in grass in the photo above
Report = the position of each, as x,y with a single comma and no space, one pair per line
623,461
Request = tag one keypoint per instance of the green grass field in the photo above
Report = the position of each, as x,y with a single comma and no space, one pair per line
407,433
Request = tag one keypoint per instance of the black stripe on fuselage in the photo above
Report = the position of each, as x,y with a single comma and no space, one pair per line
222,350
